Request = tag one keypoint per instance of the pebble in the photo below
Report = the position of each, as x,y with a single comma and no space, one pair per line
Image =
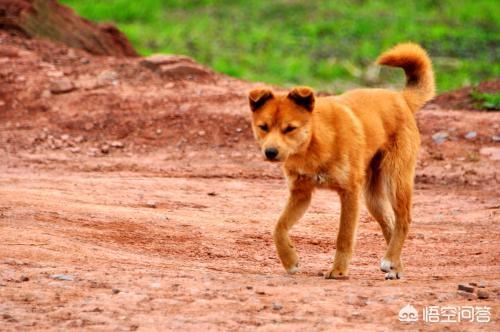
482,294
117,144
495,138
65,137
201,133
46,94
24,279
61,85
471,135
63,277
115,291
466,288
105,148
315,242
277,306
491,152
440,137
467,295
88,126
151,204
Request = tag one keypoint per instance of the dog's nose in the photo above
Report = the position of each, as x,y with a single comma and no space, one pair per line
271,153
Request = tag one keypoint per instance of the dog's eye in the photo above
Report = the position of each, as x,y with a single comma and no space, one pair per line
289,129
264,127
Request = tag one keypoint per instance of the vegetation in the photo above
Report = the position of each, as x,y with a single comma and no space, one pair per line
486,101
326,44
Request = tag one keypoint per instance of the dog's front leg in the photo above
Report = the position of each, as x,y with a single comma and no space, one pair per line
298,202
347,233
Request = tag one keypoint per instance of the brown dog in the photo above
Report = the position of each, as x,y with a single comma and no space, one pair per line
363,141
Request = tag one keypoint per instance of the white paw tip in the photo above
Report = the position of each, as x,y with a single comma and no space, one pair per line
293,270
393,275
385,265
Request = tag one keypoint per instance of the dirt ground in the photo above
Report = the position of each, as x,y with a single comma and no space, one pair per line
140,184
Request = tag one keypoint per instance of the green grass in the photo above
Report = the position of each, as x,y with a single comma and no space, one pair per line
486,101
325,44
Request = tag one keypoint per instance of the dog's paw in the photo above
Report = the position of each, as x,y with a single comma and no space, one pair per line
293,269
336,274
393,270
393,275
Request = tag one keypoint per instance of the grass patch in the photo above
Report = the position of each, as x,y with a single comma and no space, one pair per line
486,101
326,44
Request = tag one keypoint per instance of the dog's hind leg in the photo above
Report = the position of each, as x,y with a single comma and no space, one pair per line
400,170
377,200
298,202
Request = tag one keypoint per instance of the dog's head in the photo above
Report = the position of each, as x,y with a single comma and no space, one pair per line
282,122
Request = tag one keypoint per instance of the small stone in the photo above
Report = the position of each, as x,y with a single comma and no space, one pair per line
466,288
63,277
473,284
46,94
495,138
151,204
93,152
440,137
155,285
482,284
260,292
55,73
201,133
491,152
65,137
249,287
115,291
467,295
212,193
88,126
24,279
105,148
239,130
482,294
74,149
79,139
107,77
158,131
277,306
471,135
315,242
117,144
61,85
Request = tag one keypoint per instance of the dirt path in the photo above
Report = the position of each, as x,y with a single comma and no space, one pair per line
203,258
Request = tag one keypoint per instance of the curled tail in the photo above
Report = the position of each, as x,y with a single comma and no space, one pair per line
417,65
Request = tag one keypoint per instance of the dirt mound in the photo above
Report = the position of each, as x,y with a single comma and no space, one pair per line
462,99
49,19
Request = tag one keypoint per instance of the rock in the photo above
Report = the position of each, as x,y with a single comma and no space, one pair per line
158,131
315,242
482,284
79,139
115,291
277,306
212,193
440,137
61,85
471,135
249,287
155,285
495,138
63,277
260,292
88,126
45,94
239,130
93,152
466,288
105,148
74,149
65,137
201,133
117,144
151,204
176,67
491,152
24,279
467,295
482,294
107,77
473,284
55,74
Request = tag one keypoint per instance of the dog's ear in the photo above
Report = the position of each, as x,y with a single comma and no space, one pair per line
302,96
258,97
